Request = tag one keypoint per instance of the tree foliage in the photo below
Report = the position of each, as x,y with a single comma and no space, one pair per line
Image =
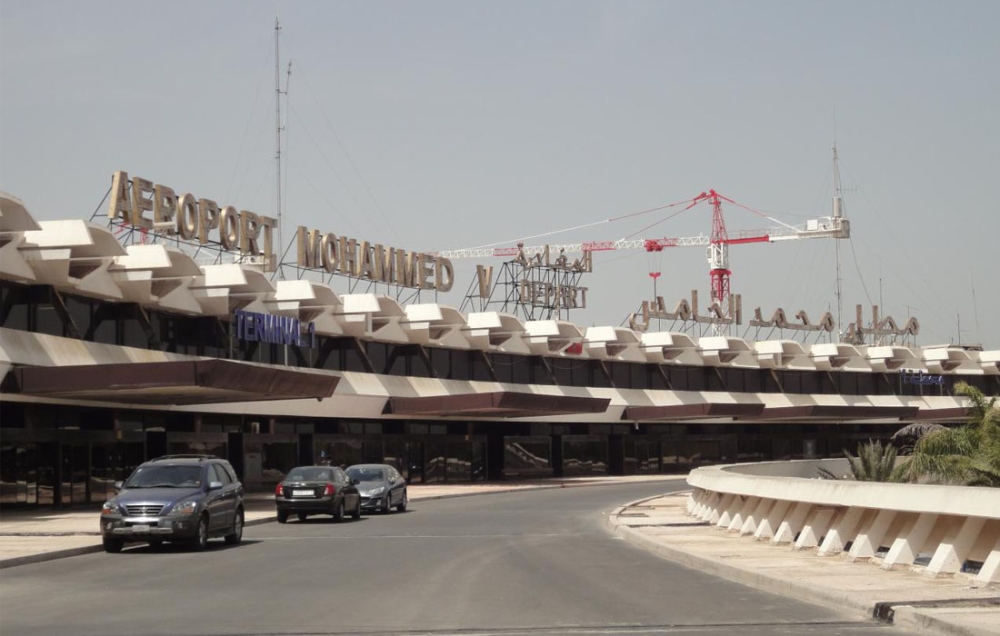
968,455
874,462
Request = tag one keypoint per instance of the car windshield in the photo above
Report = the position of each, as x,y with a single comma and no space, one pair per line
165,477
366,474
309,474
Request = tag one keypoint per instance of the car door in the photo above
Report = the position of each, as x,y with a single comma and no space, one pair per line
351,496
221,500
396,485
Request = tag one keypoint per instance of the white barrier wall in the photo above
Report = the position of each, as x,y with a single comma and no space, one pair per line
943,529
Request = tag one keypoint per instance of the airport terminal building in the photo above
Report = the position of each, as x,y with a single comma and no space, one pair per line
111,354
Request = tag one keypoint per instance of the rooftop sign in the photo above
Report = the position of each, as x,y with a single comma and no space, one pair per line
360,259
190,218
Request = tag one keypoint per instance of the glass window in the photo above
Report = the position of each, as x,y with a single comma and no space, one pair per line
165,476
15,306
527,457
584,455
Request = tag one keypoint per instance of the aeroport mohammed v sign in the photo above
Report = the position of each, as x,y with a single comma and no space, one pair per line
191,218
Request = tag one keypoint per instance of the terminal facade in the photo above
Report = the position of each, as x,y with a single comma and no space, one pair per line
110,355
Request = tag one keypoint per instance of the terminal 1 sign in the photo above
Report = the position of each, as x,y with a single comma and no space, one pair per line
252,326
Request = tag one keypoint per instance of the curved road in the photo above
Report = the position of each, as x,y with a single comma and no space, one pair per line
535,563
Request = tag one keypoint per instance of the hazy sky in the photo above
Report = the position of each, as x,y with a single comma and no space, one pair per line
446,124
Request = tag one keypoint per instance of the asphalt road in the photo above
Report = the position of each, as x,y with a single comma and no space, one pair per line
532,563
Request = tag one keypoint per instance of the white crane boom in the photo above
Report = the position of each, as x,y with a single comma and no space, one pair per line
823,227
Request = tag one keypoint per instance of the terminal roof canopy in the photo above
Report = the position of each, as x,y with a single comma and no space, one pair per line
181,382
498,404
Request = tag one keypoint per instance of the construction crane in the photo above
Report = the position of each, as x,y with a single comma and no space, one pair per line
836,226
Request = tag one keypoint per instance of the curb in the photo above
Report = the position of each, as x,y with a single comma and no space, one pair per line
916,619
905,616
49,556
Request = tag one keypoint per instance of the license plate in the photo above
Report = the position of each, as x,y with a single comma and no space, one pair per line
140,528
302,493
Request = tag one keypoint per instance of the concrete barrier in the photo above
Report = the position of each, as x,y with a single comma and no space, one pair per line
942,530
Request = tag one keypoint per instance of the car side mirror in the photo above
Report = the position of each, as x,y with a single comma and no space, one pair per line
214,485
355,482
119,484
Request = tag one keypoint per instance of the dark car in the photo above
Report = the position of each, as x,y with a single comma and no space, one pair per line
381,486
177,498
311,490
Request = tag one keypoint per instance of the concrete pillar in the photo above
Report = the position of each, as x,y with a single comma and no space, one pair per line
792,524
815,527
748,505
692,500
723,504
869,539
838,535
905,548
727,515
990,572
710,506
950,555
774,517
750,524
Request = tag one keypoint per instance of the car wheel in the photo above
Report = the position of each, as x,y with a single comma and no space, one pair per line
338,512
112,546
201,540
302,516
357,510
236,535
401,506
387,508
282,516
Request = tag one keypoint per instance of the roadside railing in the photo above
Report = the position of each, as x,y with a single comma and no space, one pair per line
941,530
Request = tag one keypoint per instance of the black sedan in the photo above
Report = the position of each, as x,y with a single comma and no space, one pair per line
381,486
311,490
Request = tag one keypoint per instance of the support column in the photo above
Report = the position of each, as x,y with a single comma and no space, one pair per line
990,572
905,548
727,515
816,526
792,524
720,508
750,525
765,529
954,549
748,505
837,537
869,540
710,504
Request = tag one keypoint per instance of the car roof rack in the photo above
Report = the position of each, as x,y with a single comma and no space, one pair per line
200,457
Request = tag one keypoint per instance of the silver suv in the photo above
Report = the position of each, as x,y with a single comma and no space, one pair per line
177,498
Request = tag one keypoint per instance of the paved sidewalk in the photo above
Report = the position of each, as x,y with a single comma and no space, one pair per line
31,536
905,597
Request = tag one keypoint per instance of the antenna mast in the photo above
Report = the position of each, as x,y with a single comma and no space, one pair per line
838,212
277,115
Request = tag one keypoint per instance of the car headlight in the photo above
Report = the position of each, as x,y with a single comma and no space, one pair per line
110,508
376,491
184,508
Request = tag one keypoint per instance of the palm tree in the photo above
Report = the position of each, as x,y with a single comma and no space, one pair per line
968,455
874,462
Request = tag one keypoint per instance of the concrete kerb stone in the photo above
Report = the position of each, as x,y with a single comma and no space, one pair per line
735,574
906,616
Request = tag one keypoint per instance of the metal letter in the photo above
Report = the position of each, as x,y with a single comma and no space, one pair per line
187,217
120,204
249,231
229,228
164,209
208,218
140,202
